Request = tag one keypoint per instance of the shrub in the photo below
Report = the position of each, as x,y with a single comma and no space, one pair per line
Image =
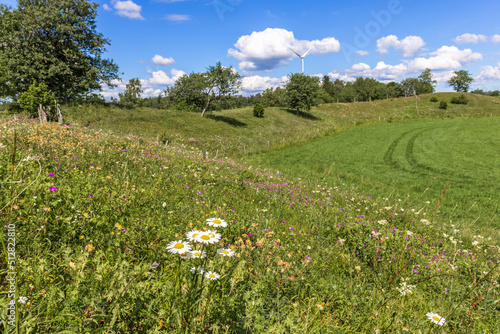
37,93
443,105
434,99
459,99
258,110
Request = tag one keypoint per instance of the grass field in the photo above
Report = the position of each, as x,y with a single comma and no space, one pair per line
412,161
91,219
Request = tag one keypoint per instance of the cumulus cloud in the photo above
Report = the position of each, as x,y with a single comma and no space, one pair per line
159,60
161,78
106,7
495,39
268,49
382,71
470,38
409,46
257,83
178,17
362,53
441,77
150,92
445,58
128,9
489,73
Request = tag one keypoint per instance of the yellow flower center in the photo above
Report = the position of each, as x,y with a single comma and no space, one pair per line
211,235
225,252
197,254
205,237
216,221
435,318
184,254
212,276
179,246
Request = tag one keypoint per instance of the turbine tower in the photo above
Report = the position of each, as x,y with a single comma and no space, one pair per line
301,57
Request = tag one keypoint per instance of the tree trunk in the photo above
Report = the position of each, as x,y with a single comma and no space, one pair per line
297,110
206,107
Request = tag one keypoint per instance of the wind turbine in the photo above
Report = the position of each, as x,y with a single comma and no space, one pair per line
302,57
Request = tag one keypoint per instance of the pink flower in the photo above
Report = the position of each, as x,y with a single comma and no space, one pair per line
53,188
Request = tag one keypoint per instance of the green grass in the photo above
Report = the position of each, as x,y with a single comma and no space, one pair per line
412,161
91,213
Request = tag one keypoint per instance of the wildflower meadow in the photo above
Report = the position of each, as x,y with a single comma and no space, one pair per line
122,234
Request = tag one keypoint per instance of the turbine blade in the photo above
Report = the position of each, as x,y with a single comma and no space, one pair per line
307,52
295,53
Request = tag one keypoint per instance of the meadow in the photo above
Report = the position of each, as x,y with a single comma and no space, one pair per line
97,217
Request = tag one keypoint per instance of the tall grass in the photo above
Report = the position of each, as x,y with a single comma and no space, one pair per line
95,212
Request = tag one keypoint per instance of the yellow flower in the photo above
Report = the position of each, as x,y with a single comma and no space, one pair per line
90,248
81,237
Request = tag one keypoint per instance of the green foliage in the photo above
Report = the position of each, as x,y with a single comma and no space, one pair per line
274,97
54,41
131,96
258,110
37,93
301,91
434,99
462,99
426,84
461,81
443,105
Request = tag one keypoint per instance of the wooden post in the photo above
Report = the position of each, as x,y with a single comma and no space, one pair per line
59,113
42,114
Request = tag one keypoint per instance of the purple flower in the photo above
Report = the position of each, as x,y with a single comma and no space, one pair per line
53,188
154,265
124,230
91,196
249,234
51,174
291,228
308,258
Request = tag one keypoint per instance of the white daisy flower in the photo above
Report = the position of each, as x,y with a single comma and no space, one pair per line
436,318
198,254
208,237
197,270
212,275
22,300
216,222
214,236
186,255
178,247
226,252
191,235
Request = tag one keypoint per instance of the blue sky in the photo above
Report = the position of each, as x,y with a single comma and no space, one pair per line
160,40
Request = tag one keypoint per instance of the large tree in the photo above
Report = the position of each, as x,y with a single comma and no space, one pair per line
461,81
301,91
198,91
130,97
426,83
55,42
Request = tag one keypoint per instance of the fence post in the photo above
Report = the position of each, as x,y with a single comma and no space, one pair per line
59,113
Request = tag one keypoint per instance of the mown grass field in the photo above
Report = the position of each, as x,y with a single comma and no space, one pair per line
92,214
413,161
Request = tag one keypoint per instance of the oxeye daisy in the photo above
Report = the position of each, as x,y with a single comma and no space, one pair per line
436,318
178,247
198,254
216,222
197,270
192,235
185,255
212,275
226,252
214,236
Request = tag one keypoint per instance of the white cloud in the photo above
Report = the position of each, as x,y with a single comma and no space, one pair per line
268,49
443,76
257,83
409,45
495,39
362,53
159,60
470,38
489,73
178,17
150,92
161,78
128,9
382,72
106,7
445,58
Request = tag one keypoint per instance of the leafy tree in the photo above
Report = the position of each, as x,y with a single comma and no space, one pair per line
426,84
54,41
461,81
328,86
132,94
37,93
301,91
187,94
258,110
410,85
394,89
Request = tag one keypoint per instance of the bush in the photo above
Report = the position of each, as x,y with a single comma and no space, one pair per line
434,99
459,99
258,110
443,105
37,93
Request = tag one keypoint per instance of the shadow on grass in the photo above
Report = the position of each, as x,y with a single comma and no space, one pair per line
303,114
229,120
